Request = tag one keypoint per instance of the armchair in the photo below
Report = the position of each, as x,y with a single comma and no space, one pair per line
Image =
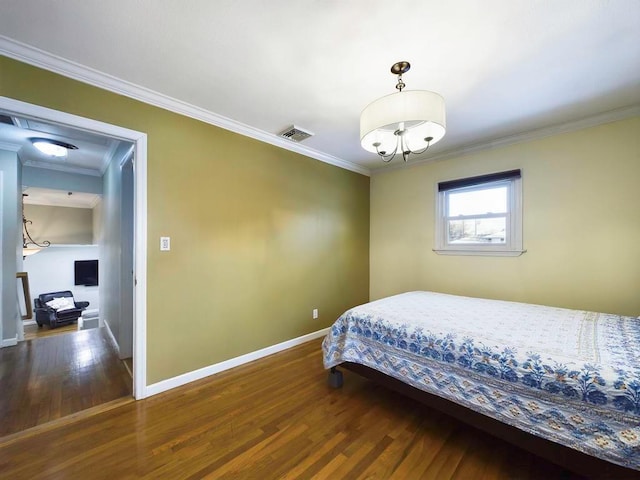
48,315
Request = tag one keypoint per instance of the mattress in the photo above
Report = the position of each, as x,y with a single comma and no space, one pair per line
570,376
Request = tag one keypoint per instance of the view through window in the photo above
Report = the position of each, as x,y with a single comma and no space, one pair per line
478,215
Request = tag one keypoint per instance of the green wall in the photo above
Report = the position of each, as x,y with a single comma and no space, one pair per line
260,235
581,224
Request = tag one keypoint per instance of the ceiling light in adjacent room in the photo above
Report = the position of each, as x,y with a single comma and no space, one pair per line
403,122
53,148
29,245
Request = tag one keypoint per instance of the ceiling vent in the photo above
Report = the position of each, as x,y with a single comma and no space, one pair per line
295,133
6,119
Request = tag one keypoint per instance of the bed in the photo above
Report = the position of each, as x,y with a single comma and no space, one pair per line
546,376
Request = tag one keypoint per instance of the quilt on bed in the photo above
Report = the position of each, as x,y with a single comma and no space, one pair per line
570,376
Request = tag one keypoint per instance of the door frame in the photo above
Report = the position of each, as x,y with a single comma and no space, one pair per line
139,139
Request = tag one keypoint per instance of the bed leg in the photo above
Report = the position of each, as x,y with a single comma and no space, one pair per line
335,378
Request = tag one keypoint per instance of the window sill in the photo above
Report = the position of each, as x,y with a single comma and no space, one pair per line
481,253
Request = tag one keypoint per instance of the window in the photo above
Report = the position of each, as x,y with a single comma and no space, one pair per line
480,215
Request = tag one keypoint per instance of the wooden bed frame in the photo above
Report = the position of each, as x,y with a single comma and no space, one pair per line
561,455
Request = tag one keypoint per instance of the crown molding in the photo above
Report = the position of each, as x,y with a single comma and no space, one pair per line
10,147
48,61
61,168
571,126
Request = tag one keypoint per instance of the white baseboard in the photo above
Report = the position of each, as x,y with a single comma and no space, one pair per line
113,339
28,322
188,377
9,342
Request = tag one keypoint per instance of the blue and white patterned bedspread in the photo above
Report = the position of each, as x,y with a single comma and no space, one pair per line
570,376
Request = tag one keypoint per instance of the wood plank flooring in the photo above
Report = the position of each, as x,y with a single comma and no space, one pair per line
31,332
275,418
55,376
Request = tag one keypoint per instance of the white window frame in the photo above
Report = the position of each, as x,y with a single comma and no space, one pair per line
513,230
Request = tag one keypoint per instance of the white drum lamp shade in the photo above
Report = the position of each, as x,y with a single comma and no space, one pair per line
409,121
418,112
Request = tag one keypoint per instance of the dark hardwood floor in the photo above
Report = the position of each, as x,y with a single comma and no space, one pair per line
58,375
275,418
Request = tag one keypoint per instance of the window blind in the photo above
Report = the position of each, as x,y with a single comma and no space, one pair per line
470,181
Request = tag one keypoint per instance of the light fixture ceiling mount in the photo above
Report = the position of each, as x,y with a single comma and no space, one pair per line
399,68
404,122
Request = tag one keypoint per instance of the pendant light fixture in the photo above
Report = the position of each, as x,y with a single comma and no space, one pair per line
29,245
404,122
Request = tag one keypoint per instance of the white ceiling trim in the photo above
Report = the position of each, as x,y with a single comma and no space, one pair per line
62,168
10,147
591,121
42,59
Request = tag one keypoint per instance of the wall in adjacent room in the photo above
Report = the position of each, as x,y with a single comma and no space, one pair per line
54,179
10,173
52,270
60,225
581,224
260,235
116,275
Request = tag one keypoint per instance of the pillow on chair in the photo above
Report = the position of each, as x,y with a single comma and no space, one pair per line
61,303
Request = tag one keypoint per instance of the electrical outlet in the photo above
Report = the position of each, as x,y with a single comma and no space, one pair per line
165,244
315,313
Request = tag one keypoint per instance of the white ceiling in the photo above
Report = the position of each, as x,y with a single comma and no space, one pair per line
504,67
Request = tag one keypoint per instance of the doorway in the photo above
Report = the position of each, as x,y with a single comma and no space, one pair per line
133,278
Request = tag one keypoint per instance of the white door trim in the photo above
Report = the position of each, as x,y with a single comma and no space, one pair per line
1,246
140,213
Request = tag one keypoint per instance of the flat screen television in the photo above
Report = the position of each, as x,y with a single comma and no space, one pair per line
86,272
